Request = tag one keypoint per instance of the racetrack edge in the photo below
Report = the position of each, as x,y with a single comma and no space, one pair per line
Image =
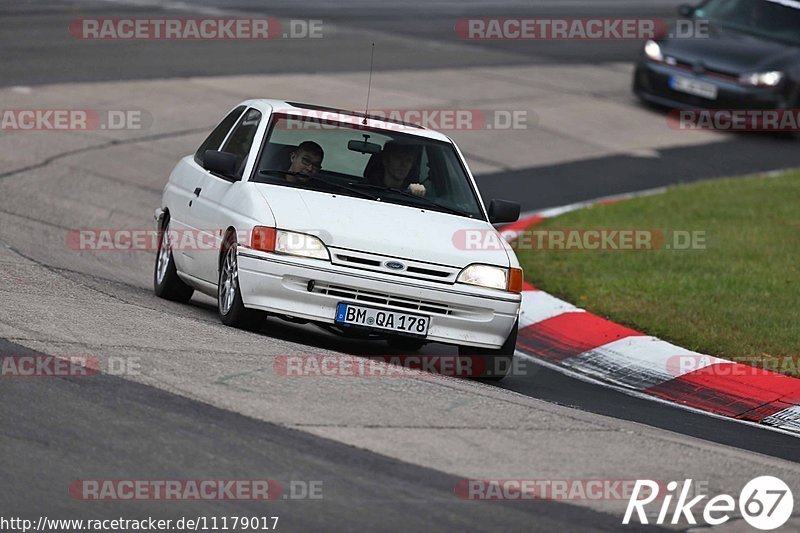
579,343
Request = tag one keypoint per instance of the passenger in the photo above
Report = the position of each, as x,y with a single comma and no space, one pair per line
306,159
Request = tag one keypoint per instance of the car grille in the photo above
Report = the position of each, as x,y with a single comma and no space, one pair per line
411,304
689,67
377,263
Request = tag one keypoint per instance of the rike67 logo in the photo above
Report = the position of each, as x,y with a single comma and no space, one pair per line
765,503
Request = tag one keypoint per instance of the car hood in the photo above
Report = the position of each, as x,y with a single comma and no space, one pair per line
382,228
732,52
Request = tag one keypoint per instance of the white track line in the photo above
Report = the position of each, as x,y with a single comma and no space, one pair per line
642,396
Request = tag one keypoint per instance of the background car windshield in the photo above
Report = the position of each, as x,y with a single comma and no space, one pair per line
766,18
432,164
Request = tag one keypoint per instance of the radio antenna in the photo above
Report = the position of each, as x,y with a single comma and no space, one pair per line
369,85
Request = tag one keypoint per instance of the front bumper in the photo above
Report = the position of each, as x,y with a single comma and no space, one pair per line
651,83
460,314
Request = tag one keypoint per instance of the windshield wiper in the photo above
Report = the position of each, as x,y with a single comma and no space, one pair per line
318,180
452,210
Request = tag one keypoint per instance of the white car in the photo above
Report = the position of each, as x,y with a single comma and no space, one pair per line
344,220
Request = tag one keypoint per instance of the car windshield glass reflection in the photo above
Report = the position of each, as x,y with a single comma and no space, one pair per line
375,165
771,19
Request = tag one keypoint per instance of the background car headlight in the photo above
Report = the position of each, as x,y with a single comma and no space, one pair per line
288,242
762,79
492,277
653,50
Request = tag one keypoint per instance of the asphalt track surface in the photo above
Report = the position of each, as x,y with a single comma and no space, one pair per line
371,492
110,426
38,30
38,50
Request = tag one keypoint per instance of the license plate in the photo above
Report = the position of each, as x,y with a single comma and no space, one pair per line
694,87
371,317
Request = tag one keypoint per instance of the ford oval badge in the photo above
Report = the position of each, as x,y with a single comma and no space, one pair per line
394,265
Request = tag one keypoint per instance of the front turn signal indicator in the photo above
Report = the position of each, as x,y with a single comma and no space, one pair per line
263,238
515,280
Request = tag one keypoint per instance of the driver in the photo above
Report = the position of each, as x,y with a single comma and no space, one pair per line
307,159
398,160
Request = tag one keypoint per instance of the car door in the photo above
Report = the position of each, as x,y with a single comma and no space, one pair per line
186,183
209,206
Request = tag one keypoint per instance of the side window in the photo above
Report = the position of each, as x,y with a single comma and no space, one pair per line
242,137
213,141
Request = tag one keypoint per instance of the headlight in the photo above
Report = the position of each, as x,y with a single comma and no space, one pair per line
300,244
762,79
288,242
492,277
653,50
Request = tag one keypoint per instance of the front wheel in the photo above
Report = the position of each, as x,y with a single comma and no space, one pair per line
231,309
492,364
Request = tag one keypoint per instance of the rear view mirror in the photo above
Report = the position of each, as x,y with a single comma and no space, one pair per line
685,10
364,147
503,212
222,163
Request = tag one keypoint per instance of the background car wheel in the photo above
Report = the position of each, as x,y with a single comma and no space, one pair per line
492,365
408,344
231,309
166,283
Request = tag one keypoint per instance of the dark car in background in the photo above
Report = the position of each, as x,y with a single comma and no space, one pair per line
747,57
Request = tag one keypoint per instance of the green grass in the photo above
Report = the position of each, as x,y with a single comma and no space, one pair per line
737,298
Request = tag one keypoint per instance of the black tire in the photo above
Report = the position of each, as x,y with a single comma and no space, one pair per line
230,307
492,365
166,283
408,344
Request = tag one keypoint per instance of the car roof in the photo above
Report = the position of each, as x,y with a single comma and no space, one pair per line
342,115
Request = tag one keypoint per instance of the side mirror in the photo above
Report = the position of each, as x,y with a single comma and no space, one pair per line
221,163
503,212
685,10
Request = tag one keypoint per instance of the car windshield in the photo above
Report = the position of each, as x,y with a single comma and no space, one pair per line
373,164
770,19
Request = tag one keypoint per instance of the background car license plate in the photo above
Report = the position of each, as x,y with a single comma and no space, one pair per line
356,315
694,87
